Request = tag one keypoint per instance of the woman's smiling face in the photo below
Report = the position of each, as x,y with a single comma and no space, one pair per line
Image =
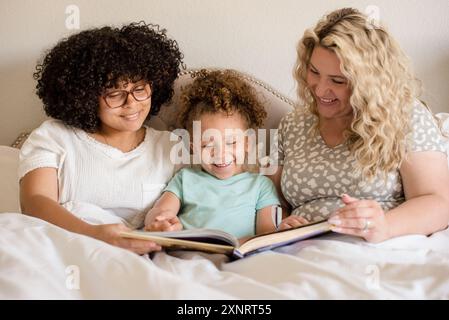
130,116
328,85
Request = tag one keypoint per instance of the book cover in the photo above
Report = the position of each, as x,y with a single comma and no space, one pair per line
217,241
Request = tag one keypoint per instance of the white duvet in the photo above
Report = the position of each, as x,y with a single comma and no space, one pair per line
41,261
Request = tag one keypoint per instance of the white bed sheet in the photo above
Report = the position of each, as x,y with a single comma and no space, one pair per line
41,261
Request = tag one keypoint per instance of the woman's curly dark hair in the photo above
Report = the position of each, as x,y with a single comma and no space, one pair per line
75,73
220,91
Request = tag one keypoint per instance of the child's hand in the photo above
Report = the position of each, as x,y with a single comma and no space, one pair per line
292,222
164,223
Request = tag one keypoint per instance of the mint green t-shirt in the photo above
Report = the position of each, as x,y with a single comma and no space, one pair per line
229,205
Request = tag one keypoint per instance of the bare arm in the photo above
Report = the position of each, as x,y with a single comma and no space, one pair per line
163,215
276,178
39,198
264,220
425,177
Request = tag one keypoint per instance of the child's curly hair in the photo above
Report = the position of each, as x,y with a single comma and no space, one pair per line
220,91
76,72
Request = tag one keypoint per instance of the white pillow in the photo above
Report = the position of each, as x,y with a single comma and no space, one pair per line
9,186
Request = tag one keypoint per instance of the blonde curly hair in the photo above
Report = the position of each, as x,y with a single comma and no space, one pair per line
383,87
220,91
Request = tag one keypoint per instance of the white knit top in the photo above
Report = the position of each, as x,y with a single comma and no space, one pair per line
90,172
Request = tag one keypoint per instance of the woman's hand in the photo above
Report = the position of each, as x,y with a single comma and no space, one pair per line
292,222
362,218
110,233
164,221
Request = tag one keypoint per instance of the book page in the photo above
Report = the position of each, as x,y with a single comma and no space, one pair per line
199,235
279,238
179,244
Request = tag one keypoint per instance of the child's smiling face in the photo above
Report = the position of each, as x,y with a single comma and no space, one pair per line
223,145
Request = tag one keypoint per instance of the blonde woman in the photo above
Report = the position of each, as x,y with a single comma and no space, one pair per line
362,151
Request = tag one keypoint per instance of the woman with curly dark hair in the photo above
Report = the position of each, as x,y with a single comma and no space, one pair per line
238,202
95,168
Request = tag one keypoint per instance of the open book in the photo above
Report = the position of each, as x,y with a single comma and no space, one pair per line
217,241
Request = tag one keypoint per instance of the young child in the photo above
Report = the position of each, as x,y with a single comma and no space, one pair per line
220,194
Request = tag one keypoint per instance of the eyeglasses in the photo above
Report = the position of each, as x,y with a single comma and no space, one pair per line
118,98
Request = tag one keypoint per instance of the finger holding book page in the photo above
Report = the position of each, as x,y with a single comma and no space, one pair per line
162,223
163,215
165,221
292,222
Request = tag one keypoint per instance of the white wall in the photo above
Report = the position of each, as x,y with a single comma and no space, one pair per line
255,36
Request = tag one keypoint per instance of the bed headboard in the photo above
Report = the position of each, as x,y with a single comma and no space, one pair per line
276,104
